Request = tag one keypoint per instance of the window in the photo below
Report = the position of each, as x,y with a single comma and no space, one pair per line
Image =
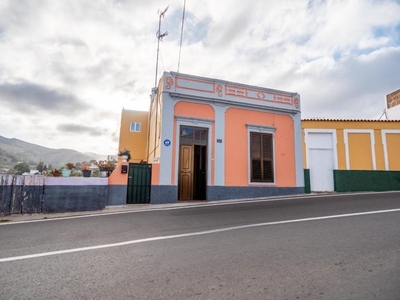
261,157
193,135
135,126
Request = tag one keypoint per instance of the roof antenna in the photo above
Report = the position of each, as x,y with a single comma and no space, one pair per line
180,45
160,37
384,113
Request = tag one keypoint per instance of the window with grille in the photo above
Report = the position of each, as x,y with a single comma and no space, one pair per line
261,157
135,126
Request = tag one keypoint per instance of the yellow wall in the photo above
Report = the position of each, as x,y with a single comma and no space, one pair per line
136,142
359,143
360,153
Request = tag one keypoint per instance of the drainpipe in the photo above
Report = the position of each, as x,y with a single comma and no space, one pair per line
152,96
156,125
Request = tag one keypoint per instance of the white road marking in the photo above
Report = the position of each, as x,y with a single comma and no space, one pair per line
175,206
169,237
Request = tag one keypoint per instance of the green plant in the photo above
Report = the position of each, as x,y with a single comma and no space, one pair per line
41,167
70,166
125,152
21,168
105,165
85,167
55,172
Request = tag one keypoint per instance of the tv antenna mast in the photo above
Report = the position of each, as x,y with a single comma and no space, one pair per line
160,37
180,45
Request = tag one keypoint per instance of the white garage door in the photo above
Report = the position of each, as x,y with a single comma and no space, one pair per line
321,161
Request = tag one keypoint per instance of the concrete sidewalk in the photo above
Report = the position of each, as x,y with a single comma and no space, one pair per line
143,207
107,210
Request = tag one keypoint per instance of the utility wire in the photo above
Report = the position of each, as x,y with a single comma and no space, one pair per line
180,45
162,61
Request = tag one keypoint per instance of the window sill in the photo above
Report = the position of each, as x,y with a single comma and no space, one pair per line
262,183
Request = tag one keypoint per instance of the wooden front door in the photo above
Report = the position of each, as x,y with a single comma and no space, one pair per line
186,172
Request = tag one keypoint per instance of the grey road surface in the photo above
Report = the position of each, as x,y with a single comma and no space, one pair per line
260,250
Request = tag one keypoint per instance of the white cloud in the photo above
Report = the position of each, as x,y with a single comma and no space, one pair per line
340,55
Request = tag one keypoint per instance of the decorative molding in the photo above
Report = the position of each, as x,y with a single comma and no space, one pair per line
170,82
296,102
195,85
225,82
251,94
385,150
261,95
219,90
232,90
283,100
261,128
231,103
235,91
194,120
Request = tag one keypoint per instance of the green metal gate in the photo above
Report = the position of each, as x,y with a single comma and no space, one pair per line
139,183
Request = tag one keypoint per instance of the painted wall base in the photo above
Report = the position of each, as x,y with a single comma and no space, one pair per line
215,193
161,194
116,195
307,182
366,181
64,198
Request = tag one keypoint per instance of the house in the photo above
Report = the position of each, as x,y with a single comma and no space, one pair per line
211,139
351,155
393,105
133,134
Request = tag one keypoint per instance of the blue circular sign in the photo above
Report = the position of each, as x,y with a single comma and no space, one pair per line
167,142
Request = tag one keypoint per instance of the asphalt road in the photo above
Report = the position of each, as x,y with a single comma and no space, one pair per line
302,248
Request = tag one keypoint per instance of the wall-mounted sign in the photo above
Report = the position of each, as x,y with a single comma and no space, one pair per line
167,142
219,140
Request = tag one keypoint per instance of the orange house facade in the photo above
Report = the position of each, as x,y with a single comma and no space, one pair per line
210,139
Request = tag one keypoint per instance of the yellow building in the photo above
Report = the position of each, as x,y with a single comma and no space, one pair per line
351,155
133,134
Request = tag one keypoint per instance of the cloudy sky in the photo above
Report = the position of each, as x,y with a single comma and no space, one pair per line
67,68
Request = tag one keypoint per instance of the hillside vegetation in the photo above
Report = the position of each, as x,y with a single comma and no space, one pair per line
13,151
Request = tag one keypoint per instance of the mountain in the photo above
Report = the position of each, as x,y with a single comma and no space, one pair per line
13,151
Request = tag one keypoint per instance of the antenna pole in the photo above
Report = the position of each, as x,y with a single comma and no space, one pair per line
384,113
180,45
159,36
